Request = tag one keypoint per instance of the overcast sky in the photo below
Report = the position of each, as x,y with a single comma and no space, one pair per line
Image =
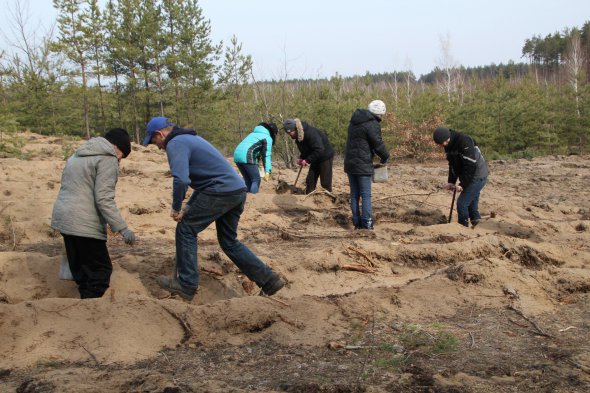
318,38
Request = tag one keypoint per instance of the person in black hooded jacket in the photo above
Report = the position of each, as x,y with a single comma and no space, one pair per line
363,143
467,164
315,150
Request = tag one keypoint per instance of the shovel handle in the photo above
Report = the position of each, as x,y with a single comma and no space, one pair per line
298,173
452,204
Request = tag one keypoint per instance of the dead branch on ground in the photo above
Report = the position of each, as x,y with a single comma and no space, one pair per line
363,254
296,323
357,267
275,300
13,233
185,326
403,195
215,273
318,191
91,354
537,330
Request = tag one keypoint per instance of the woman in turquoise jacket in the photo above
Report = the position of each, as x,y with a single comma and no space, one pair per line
256,146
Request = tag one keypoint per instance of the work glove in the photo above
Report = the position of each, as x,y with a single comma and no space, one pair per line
177,215
451,186
182,213
128,236
185,209
302,162
266,176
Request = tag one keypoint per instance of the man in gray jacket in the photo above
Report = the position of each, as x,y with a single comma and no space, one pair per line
85,204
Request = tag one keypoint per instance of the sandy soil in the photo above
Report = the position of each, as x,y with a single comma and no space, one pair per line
416,305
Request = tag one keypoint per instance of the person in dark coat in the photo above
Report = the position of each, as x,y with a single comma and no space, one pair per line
315,150
363,143
467,164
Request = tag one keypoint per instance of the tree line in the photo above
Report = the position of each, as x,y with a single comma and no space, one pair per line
130,60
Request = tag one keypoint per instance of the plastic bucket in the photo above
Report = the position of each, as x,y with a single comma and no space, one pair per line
380,175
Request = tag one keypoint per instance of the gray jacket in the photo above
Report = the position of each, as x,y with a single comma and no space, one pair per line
86,199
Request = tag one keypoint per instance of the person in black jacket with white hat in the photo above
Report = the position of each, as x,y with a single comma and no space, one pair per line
363,143
467,164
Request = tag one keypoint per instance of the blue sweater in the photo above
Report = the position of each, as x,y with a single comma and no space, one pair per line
195,163
258,144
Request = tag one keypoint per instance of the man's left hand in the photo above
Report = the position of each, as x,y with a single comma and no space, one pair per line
176,215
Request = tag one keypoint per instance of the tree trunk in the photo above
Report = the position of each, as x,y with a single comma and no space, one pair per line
85,100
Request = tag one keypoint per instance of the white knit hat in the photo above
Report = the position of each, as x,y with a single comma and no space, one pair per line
377,107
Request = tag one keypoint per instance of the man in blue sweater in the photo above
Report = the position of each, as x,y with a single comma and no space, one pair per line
219,195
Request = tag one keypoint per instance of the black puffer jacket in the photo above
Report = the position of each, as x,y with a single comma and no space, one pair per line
364,141
465,159
315,146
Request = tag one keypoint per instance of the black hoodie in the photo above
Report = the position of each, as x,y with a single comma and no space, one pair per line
315,146
363,142
465,159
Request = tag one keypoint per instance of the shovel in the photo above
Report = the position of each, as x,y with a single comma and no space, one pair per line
452,204
297,178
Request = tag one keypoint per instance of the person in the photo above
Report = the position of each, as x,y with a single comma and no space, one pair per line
315,150
257,145
364,141
85,204
467,164
219,195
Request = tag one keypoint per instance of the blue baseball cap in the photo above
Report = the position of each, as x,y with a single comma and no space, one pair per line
155,124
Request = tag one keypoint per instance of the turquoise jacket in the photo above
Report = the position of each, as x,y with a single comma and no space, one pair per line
256,146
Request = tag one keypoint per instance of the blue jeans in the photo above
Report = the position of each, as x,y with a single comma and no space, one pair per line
360,188
251,176
225,210
468,202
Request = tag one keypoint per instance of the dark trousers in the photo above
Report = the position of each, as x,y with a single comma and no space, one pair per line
321,170
90,264
251,177
468,202
225,211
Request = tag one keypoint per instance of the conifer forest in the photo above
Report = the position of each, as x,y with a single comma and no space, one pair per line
119,64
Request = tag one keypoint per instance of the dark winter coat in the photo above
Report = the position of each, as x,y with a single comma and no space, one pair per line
314,146
363,142
466,162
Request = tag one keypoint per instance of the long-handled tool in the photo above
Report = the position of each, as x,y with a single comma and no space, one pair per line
452,204
297,178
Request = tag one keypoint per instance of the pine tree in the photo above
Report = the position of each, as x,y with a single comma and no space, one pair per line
234,76
97,54
73,42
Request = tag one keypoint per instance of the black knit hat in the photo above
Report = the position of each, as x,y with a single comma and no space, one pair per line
120,138
272,129
440,135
